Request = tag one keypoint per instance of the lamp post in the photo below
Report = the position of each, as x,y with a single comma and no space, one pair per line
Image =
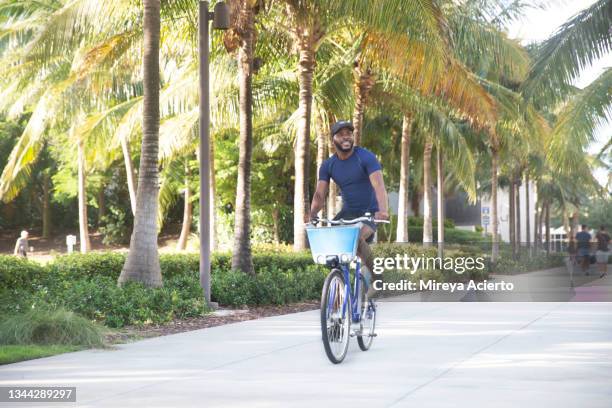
220,19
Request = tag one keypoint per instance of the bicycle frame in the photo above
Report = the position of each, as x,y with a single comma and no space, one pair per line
353,294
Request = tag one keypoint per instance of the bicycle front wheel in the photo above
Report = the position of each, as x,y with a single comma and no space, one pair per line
335,326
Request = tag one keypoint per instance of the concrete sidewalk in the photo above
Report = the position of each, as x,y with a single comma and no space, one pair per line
426,355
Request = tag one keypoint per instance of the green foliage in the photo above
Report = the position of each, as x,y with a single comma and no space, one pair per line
47,326
415,232
17,272
271,285
115,226
78,266
507,264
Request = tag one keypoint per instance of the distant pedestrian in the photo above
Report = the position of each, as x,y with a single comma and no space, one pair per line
21,246
603,252
583,239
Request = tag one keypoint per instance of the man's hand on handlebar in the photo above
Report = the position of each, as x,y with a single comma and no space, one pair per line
380,215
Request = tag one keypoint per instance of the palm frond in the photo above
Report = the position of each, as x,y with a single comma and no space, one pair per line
575,45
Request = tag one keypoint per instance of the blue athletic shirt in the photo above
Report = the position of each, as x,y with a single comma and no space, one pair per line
353,177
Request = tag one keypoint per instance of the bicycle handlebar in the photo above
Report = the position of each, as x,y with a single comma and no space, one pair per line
342,221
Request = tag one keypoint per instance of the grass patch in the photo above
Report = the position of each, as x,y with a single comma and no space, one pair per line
50,327
15,353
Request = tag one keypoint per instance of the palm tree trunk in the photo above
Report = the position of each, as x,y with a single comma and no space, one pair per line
321,153
547,208
415,204
427,207
241,255
276,224
101,206
518,214
494,218
364,81
574,223
83,228
566,223
142,264
129,172
213,197
403,199
512,215
300,198
537,225
333,190
46,206
187,214
527,215
440,171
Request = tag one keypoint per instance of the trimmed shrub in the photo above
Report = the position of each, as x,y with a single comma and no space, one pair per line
78,266
17,272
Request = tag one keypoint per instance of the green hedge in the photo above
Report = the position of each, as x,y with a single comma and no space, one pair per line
87,284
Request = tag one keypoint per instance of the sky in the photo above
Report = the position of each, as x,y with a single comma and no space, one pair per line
537,25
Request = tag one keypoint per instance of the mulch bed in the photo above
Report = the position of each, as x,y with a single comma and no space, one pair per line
211,320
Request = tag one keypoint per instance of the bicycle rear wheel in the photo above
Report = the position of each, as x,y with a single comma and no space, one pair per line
335,327
368,320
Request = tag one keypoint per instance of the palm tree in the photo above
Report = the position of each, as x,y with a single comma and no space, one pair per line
402,208
245,32
142,263
427,198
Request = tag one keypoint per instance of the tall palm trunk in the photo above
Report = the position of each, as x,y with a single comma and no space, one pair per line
46,206
213,196
241,255
306,43
494,218
333,189
427,199
512,215
321,153
518,214
574,223
547,221
83,228
527,214
538,223
440,171
129,172
364,81
142,263
181,245
403,203
101,205
276,224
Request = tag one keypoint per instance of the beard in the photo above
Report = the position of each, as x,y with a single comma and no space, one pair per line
342,149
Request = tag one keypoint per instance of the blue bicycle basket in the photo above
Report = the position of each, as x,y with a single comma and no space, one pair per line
333,241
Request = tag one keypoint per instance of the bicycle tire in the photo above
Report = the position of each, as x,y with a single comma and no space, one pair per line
335,337
368,320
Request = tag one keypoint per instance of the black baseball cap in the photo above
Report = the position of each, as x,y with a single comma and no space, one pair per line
341,124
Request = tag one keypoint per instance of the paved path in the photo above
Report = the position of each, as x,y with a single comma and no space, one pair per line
426,355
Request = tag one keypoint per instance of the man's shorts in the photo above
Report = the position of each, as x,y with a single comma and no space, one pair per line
349,215
602,256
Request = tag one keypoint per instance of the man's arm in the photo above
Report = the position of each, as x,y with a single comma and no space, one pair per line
378,184
318,200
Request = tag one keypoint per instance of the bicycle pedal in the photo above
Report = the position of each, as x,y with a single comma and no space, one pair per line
373,335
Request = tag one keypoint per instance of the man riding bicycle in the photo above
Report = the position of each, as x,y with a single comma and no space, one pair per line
358,174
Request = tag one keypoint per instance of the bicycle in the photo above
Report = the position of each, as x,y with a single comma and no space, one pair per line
336,247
